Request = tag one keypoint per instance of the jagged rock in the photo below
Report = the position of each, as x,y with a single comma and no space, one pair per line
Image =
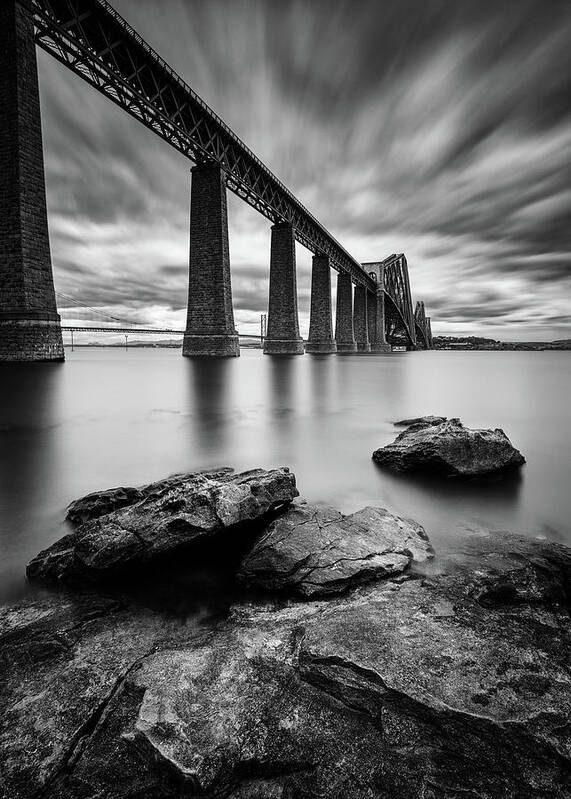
99,503
159,519
315,551
65,661
451,450
425,421
429,688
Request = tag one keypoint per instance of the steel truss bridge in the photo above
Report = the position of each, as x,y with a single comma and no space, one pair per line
96,43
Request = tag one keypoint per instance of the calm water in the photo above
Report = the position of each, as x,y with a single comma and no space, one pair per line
108,417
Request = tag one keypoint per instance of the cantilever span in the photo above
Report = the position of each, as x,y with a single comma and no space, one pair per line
422,324
392,276
96,43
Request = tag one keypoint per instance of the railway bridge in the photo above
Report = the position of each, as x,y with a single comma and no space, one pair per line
374,305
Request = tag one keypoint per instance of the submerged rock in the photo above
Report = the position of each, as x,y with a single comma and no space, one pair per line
129,527
315,551
450,449
429,688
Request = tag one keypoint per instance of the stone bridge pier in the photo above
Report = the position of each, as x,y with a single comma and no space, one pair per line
321,339
283,325
29,322
344,332
376,319
210,330
360,321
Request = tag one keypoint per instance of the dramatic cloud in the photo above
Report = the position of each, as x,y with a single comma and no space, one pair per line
435,128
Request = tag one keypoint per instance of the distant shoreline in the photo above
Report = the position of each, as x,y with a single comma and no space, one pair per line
459,346
477,343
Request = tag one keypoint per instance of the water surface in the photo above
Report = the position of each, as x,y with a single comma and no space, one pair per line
111,417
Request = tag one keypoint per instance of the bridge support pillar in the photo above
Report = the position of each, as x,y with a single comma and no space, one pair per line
371,316
377,338
210,330
320,323
360,320
283,325
344,335
29,322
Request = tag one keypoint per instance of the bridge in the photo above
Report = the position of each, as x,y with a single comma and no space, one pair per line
374,304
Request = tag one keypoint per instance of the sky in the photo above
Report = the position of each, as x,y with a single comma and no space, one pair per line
437,128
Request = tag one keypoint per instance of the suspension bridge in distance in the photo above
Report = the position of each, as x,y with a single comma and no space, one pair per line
374,308
77,317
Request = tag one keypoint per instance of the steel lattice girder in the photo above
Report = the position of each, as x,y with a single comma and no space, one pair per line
420,322
397,287
95,42
429,333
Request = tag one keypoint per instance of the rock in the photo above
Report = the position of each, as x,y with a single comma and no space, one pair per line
73,656
451,450
425,421
160,519
432,688
316,551
99,503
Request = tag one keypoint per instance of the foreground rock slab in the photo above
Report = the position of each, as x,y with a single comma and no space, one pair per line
449,449
453,685
127,527
317,551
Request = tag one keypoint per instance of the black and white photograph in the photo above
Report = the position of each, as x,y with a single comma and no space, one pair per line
285,399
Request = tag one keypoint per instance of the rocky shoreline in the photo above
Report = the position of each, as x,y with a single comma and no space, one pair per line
353,666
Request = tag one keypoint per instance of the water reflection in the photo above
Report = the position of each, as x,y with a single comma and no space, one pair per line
449,509
28,460
503,491
210,400
320,373
283,374
496,495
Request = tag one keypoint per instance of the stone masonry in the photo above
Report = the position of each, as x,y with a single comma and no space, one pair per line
379,341
29,322
344,335
371,316
320,322
210,330
376,308
360,320
283,325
